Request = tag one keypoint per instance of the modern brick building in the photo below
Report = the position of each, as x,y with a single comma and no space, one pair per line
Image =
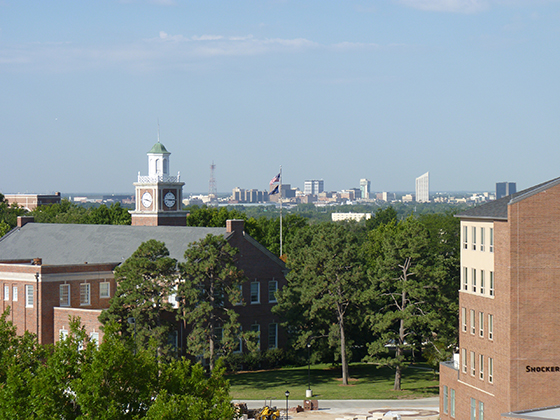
32,201
49,272
509,313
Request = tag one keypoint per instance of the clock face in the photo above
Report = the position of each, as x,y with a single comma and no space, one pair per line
169,199
147,199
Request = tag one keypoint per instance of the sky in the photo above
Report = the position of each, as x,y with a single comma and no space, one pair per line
338,90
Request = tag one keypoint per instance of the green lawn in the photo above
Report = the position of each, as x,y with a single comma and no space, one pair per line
367,382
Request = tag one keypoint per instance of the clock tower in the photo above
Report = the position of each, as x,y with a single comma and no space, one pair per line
159,196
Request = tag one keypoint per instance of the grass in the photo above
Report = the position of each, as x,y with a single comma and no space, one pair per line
367,381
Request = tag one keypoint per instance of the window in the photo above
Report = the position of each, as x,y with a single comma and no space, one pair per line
465,278
84,294
473,364
481,410
474,280
465,238
257,328
490,327
474,238
29,296
105,289
491,239
481,367
218,336
6,292
445,399
490,370
255,292
482,239
94,338
452,405
481,324
473,326
481,282
491,283
62,334
464,360
272,288
464,319
238,348
239,295
64,293
272,336
15,293
473,409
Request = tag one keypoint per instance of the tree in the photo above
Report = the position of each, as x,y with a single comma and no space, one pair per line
144,283
324,285
209,287
401,286
8,215
382,217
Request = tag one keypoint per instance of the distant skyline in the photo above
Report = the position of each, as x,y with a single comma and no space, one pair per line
335,90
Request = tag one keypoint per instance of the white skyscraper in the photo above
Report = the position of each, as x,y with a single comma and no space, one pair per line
313,186
365,185
423,188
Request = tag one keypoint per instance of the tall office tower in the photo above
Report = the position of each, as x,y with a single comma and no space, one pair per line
313,186
505,188
423,188
365,185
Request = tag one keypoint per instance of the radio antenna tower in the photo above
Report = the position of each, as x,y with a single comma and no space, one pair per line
212,190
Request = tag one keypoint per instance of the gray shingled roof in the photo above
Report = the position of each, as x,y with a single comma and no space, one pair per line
60,244
498,209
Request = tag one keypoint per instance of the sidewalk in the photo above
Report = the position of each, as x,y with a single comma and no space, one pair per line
421,409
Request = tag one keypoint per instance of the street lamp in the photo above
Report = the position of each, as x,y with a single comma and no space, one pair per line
132,321
308,392
287,394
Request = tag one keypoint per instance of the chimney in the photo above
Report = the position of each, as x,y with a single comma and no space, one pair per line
37,261
235,225
23,220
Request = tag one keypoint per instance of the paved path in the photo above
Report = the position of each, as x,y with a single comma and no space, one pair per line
421,409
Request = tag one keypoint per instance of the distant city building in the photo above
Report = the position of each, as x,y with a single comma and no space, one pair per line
505,188
365,185
337,217
407,198
423,188
32,201
386,196
313,186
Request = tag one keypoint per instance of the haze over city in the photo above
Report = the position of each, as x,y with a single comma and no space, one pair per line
384,90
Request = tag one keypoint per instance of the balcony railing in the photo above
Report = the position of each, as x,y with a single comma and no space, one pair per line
146,179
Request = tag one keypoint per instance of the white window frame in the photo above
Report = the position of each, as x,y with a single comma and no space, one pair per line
491,239
474,238
473,322
464,318
473,280
473,409
257,328
465,237
6,292
272,297
481,367
239,348
481,324
482,239
490,370
490,327
481,282
480,410
464,360
257,295
273,338
94,338
465,279
29,296
85,294
491,288
102,285
473,363
62,293
62,334
452,408
240,288
445,399
14,293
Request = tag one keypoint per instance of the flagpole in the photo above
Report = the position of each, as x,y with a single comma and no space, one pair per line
280,211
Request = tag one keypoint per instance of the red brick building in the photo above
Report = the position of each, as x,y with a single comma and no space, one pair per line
32,201
49,272
509,313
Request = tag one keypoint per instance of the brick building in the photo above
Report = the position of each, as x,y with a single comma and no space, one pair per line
49,272
508,359
32,201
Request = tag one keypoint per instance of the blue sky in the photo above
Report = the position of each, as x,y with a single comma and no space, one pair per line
336,90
